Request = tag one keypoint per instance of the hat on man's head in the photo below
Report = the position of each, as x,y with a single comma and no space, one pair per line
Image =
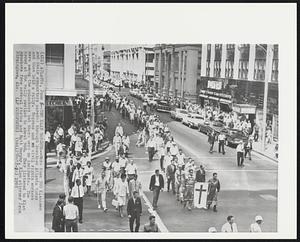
258,218
106,158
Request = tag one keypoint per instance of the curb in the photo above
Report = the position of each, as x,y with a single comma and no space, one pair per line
261,153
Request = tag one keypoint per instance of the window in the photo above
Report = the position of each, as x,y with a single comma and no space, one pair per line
217,68
260,62
149,57
274,76
199,60
229,69
55,54
207,67
176,61
243,69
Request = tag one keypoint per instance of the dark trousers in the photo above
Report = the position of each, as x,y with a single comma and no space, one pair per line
156,192
171,181
248,151
162,162
221,146
78,201
136,218
240,158
211,146
71,224
151,153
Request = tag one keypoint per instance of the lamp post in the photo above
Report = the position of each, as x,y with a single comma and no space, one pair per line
91,89
268,77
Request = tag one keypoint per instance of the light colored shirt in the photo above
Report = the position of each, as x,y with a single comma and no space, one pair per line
60,131
151,143
122,161
229,228
255,228
101,183
122,188
131,169
77,191
181,159
174,150
240,148
70,211
221,137
156,181
116,166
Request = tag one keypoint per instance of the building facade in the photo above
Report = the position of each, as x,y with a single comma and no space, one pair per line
133,63
229,76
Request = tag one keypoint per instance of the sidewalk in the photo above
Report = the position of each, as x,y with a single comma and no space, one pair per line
268,152
52,157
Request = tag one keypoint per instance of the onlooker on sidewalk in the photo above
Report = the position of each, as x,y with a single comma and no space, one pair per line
230,226
240,154
248,147
134,211
221,140
151,226
255,227
58,217
211,141
77,193
70,211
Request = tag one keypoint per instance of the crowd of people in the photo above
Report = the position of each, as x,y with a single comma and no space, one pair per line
120,176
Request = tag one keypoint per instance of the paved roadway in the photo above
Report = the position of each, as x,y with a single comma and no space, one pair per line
245,192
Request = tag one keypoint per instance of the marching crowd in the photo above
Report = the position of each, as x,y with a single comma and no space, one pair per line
120,176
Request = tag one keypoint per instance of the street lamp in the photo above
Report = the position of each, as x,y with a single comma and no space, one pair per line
268,77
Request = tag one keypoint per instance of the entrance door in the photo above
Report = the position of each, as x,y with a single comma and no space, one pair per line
68,116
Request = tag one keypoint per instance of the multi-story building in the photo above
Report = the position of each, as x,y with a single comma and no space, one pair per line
132,62
62,83
229,76
176,70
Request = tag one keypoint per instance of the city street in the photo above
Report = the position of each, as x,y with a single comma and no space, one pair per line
245,192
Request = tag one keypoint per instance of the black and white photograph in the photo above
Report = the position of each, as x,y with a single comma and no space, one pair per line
124,134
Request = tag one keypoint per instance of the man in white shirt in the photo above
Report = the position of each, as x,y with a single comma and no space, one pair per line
123,163
255,227
230,226
84,159
119,130
221,140
71,213
180,158
131,170
174,149
77,193
117,141
102,186
47,140
122,191
240,153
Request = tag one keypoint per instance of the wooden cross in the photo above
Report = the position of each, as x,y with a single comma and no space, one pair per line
200,190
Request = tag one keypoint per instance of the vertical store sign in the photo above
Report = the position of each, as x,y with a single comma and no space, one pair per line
29,111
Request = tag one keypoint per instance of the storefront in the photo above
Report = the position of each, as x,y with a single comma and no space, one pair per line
58,111
216,99
247,111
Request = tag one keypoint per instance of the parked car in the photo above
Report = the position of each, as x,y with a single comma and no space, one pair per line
234,136
204,126
148,97
179,114
133,92
163,106
192,120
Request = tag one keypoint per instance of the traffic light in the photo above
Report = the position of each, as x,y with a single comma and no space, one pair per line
89,108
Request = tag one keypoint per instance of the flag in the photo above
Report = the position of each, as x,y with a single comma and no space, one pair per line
200,194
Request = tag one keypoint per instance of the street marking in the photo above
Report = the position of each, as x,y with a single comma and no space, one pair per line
268,197
159,222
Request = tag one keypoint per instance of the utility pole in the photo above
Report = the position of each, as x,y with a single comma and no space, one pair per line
182,78
268,77
91,89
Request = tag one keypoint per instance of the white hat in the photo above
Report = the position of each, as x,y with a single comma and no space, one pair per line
212,230
258,218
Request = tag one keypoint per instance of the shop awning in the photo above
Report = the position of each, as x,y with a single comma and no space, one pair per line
244,108
226,101
213,98
202,95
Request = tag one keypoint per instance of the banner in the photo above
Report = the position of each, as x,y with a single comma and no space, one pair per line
200,194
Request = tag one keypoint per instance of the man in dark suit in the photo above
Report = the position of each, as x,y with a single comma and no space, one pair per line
171,169
58,217
156,185
200,174
134,211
